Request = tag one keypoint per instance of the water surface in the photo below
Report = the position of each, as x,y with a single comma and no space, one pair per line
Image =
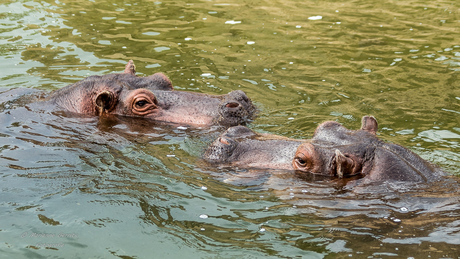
80,187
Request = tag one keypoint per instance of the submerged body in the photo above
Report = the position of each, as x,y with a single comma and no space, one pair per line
334,151
151,97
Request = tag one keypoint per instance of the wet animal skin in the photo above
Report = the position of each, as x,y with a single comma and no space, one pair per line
333,151
152,97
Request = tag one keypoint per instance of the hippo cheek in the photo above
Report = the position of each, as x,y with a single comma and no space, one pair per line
182,116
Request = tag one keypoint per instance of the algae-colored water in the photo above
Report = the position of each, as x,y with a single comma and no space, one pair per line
80,187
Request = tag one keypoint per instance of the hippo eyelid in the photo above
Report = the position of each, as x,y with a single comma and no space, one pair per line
142,102
300,161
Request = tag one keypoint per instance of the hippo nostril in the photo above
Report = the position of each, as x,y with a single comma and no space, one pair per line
224,141
232,105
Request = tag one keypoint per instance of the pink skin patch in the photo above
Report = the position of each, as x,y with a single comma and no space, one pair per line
192,120
224,141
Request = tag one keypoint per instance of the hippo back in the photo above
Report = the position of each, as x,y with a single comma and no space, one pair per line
394,162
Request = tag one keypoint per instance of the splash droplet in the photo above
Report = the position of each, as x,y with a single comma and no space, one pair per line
313,18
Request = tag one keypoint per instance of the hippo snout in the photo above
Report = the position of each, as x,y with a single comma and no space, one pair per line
233,109
220,150
236,108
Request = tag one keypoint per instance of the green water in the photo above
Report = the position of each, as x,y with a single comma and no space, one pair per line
82,188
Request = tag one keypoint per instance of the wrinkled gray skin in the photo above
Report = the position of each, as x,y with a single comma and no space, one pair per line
152,97
241,147
334,151
339,152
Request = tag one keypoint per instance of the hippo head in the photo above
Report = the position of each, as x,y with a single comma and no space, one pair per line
339,152
123,93
152,97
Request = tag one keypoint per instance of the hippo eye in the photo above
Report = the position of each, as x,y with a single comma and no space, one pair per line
141,103
301,162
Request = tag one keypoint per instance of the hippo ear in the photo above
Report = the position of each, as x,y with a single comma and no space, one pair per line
369,124
346,165
130,68
105,101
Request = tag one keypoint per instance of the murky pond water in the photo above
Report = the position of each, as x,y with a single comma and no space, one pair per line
80,187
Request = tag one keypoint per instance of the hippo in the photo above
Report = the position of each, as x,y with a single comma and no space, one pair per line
334,151
151,97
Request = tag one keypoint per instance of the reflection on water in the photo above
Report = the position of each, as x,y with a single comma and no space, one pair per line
82,187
